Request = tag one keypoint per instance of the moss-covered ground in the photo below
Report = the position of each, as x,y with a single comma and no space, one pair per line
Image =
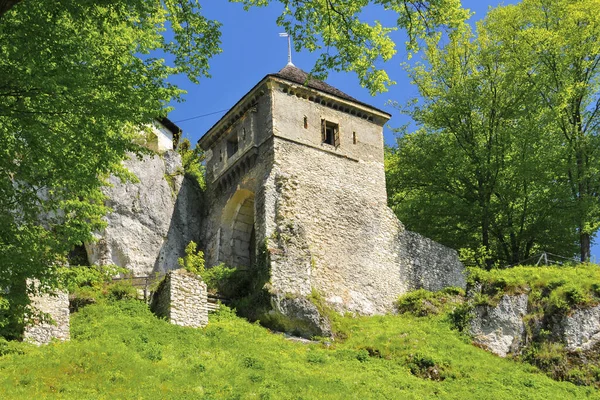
119,350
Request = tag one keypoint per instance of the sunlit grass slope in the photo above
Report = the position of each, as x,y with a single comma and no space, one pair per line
119,350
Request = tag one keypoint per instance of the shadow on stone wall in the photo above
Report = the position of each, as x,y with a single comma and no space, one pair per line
184,226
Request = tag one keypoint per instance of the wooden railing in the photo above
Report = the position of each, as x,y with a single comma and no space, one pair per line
151,281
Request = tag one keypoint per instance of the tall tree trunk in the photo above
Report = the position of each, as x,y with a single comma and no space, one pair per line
585,246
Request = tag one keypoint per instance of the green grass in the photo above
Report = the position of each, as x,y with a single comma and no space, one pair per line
561,287
119,350
553,293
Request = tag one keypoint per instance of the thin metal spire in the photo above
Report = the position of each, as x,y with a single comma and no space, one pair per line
289,47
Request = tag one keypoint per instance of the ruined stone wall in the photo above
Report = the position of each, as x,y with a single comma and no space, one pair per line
182,299
152,220
54,306
431,266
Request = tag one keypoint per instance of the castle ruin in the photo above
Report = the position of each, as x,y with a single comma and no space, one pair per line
296,167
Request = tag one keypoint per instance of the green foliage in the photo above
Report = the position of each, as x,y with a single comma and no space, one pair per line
120,350
556,44
191,160
422,303
193,261
121,290
338,31
425,367
229,282
76,277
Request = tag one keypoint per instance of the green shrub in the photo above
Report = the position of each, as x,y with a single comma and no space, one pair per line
461,316
228,281
121,290
422,302
193,261
425,367
73,278
12,347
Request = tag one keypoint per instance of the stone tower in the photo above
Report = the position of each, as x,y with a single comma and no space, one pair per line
295,168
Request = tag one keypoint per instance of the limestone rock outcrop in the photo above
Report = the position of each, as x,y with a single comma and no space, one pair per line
509,325
500,327
152,220
580,329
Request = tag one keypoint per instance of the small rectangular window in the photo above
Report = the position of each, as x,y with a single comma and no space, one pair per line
353,137
330,133
232,145
305,122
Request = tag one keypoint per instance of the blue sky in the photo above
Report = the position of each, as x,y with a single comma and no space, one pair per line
252,49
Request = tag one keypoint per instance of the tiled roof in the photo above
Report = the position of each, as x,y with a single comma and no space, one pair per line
296,75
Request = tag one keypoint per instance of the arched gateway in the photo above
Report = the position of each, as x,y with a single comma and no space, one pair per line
237,236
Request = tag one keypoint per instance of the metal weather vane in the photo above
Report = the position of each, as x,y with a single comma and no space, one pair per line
285,34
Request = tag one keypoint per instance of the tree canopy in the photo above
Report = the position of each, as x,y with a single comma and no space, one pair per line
505,161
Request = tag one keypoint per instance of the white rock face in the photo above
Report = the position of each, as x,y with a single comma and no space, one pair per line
581,329
500,328
151,220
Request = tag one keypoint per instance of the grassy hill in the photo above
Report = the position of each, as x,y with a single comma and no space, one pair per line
119,350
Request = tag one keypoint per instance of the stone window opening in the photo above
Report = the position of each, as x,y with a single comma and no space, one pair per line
353,137
232,145
330,133
305,122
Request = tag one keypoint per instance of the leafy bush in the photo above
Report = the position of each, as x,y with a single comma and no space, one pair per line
73,278
228,281
121,290
425,367
193,261
422,302
191,160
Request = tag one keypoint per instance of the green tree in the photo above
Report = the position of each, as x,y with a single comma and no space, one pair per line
480,174
557,44
78,81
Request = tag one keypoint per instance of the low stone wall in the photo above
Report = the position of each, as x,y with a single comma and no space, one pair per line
54,321
181,298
